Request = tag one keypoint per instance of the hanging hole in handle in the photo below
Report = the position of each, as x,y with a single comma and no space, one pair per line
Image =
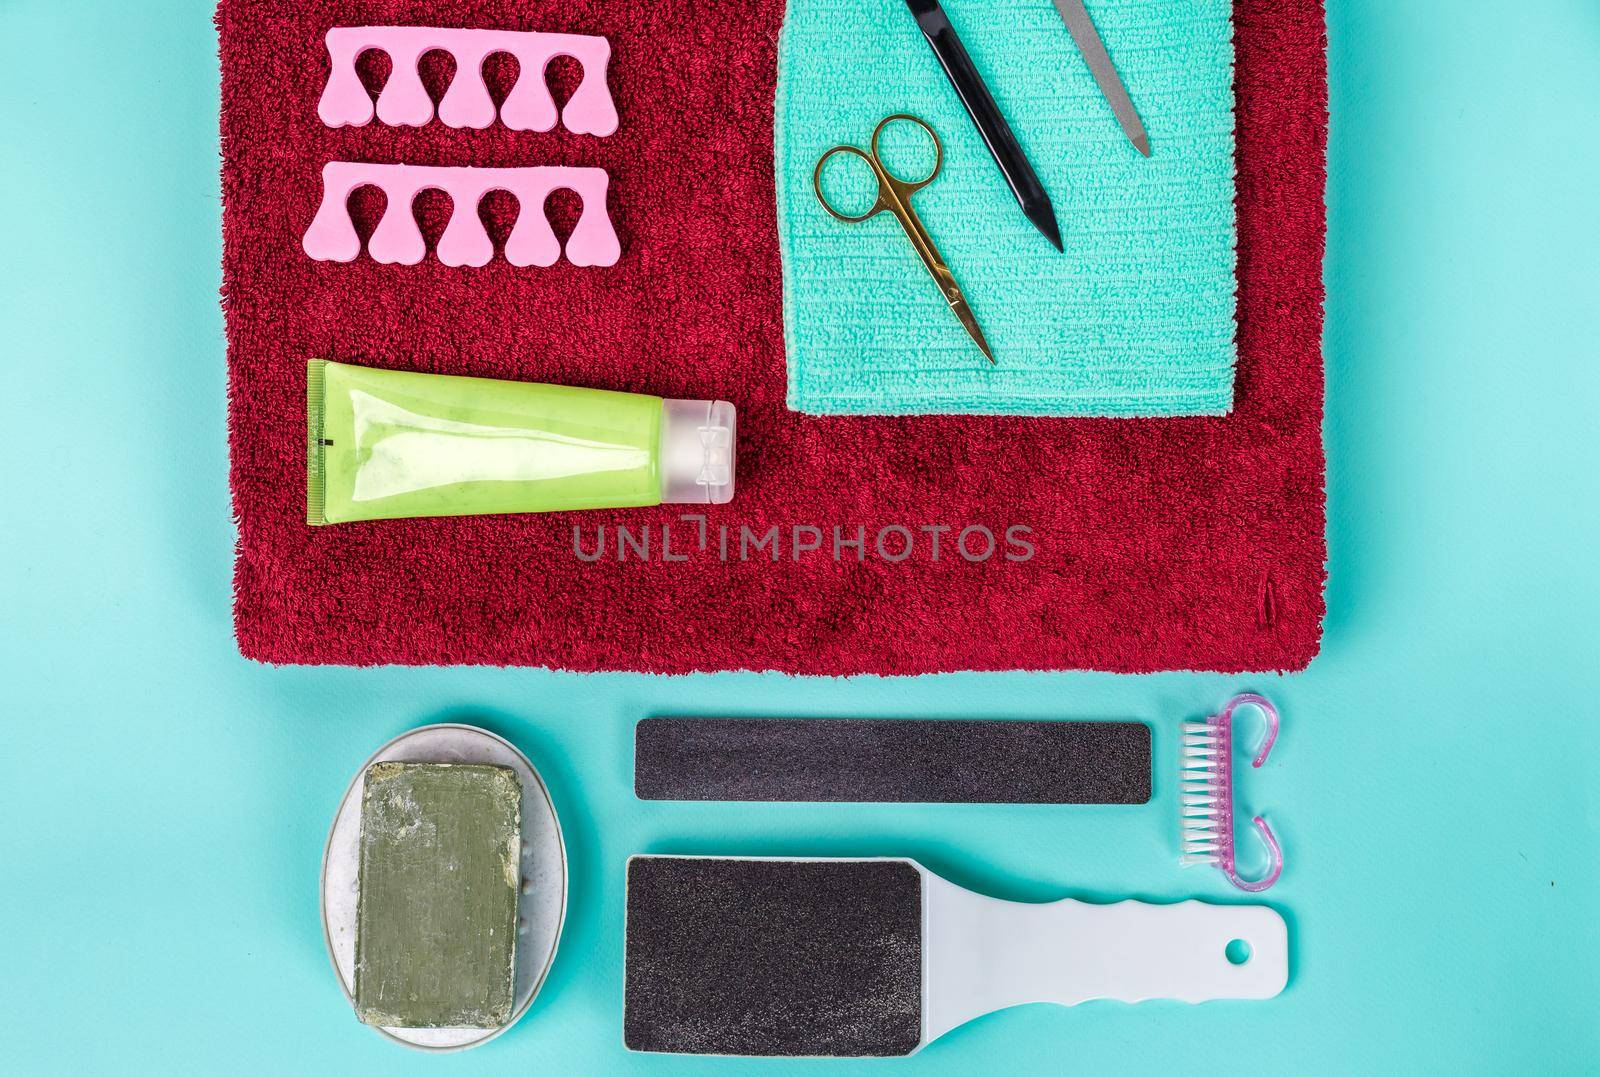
1238,951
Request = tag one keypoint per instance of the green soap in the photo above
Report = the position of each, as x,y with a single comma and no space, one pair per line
436,919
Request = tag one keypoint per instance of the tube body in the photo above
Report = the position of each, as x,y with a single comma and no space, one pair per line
386,444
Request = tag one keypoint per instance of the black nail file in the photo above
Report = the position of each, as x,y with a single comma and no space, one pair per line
901,761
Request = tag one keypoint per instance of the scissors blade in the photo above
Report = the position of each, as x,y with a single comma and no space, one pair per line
958,303
1087,38
898,196
946,280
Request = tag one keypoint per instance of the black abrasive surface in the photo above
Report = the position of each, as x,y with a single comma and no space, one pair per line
773,957
892,761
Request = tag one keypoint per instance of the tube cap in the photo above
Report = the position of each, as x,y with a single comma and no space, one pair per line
698,449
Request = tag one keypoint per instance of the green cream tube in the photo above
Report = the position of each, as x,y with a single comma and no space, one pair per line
387,445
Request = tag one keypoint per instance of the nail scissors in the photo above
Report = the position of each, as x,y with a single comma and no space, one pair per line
894,196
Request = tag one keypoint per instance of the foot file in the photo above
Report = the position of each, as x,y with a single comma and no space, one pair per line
861,958
883,761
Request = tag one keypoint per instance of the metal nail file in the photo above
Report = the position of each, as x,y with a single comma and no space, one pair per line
969,86
1081,27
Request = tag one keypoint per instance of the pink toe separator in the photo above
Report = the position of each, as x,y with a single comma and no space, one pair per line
397,240
404,102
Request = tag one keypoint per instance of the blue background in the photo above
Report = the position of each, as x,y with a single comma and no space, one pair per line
163,803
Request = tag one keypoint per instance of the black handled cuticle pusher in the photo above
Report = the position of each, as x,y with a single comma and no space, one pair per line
980,105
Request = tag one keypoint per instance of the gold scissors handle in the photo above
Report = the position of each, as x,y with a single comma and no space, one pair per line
894,196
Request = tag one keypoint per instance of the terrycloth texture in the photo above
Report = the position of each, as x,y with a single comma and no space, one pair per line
1136,318
1162,544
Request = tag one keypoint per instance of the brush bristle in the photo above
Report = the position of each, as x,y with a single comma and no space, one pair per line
1205,801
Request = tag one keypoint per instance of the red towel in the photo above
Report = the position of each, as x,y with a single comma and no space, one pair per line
1167,544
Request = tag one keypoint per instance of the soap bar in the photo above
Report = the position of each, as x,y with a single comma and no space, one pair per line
436,918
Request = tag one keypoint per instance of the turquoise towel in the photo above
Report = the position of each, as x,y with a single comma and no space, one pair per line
1136,319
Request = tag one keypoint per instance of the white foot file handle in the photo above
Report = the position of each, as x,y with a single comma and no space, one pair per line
982,954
